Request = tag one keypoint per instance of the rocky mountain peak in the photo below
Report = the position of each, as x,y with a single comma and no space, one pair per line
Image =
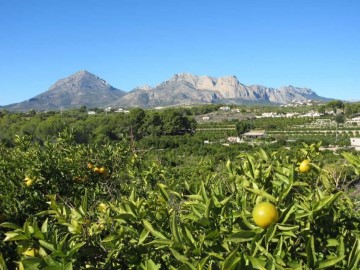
80,80
84,88
79,89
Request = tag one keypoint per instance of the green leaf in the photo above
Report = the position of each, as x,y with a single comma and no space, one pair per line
247,223
195,197
330,262
264,251
163,191
188,237
326,201
262,193
44,226
278,249
209,204
263,154
203,192
241,236
354,257
109,238
231,261
289,186
285,215
270,234
174,228
225,201
2,263
84,202
13,236
10,226
341,248
150,265
354,160
287,227
31,263
144,234
202,263
132,195
68,266
154,232
332,242
310,252
182,258
75,248
212,235
47,245
37,233
161,242
257,263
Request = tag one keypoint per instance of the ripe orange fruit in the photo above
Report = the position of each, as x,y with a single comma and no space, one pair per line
304,166
96,170
90,166
265,214
102,170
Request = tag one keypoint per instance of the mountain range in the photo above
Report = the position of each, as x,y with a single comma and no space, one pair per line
86,89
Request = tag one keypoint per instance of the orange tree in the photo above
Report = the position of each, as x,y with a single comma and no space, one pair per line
30,171
152,223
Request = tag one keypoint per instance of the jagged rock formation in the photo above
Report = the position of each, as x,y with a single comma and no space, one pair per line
86,89
186,89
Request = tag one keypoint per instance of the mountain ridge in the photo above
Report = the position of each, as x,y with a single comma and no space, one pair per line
86,89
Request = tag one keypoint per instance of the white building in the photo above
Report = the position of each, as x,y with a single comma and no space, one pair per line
355,120
225,108
268,114
256,133
288,115
355,142
234,139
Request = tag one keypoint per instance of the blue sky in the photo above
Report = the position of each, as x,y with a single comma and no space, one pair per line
307,43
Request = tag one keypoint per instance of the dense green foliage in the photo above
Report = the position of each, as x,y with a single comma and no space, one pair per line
101,128
163,210
143,191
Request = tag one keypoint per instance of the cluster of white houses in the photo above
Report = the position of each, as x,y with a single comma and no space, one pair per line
109,109
260,133
289,115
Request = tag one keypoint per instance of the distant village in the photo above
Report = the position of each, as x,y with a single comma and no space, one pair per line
259,134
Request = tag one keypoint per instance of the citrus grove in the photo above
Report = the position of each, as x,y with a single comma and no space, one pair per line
74,206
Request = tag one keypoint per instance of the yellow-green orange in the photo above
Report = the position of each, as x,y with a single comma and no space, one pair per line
265,214
304,166
103,171
28,181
